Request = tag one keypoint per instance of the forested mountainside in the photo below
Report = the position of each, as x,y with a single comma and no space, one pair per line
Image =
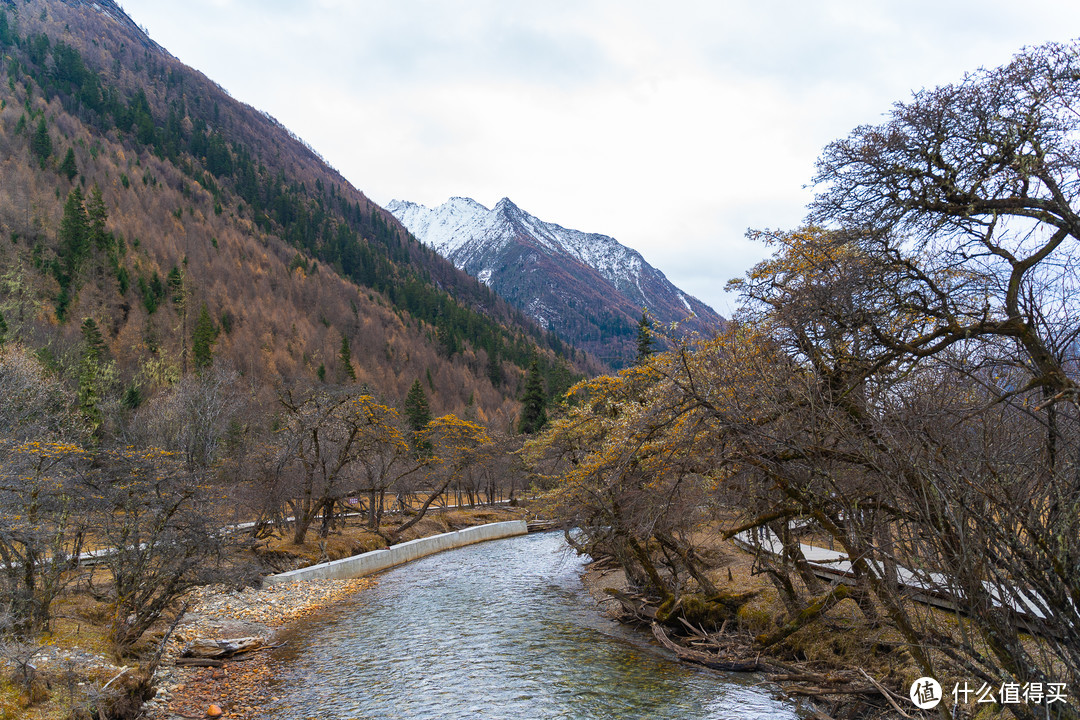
138,194
587,288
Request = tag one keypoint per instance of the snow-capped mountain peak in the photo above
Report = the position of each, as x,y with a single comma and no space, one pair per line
564,278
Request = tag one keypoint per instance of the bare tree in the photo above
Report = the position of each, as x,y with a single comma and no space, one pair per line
41,527
193,417
160,531
35,404
326,435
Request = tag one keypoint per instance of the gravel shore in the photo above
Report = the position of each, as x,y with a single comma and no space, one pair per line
242,684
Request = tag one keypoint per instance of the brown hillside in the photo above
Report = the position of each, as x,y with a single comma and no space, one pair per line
256,226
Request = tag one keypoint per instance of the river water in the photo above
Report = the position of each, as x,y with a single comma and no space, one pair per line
494,631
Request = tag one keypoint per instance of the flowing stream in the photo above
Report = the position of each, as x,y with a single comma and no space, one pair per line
499,630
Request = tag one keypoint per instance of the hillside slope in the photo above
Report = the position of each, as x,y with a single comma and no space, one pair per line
212,204
586,287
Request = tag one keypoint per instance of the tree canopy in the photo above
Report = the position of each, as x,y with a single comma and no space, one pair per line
533,402
644,338
417,411
899,372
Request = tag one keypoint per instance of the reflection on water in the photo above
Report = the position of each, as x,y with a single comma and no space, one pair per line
502,629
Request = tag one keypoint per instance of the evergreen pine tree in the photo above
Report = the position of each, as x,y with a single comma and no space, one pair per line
494,369
345,356
178,294
74,230
203,337
94,347
644,339
3,330
533,402
96,215
5,29
73,250
417,411
68,166
175,281
90,390
132,397
41,143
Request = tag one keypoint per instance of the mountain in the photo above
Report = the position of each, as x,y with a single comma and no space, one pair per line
585,287
138,193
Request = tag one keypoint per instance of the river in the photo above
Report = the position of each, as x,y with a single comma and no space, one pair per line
494,631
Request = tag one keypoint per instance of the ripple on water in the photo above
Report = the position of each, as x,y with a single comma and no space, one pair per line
502,630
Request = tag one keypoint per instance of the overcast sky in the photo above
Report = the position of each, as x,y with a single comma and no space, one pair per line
671,126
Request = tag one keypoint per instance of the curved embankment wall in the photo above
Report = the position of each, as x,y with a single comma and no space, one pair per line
376,560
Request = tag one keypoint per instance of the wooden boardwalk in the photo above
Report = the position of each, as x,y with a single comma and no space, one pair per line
931,588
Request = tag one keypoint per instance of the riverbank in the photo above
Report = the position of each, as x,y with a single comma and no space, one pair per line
844,668
242,685
70,672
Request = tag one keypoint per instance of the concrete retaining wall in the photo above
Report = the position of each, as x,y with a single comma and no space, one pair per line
376,560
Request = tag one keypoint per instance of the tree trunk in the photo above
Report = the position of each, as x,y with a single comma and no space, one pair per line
393,536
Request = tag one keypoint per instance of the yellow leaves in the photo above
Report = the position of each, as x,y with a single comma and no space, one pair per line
650,436
48,449
452,426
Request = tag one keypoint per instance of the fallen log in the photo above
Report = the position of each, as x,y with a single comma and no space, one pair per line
216,649
888,694
805,677
635,606
819,691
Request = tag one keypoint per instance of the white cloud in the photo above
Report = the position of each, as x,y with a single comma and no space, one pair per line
672,128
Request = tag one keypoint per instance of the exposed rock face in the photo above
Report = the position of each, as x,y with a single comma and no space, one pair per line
587,288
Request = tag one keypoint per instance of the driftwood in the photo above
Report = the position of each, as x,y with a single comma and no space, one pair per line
793,680
885,692
217,649
635,606
709,660
836,690
198,662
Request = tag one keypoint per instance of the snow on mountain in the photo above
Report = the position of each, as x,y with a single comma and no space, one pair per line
587,287
461,229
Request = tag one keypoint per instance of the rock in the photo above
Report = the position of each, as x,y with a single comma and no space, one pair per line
214,711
